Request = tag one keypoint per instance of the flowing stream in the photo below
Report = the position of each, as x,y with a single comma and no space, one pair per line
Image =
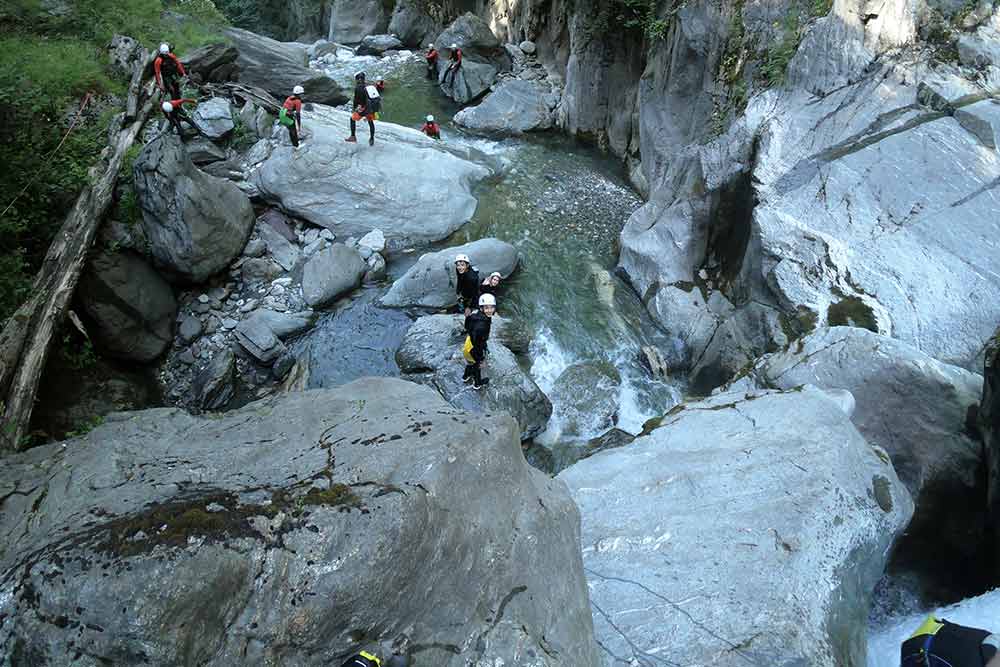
562,205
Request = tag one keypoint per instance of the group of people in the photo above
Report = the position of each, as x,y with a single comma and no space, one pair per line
454,63
478,300
169,72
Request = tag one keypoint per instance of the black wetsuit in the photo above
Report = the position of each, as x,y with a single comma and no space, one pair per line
951,646
477,325
486,288
467,288
361,102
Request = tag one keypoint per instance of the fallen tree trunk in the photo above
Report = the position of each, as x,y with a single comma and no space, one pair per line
27,335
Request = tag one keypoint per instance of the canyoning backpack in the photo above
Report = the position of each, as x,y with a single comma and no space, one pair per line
374,99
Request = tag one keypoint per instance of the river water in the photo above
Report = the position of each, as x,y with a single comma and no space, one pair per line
562,205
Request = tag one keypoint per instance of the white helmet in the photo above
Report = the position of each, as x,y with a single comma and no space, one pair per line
497,274
430,119
454,46
164,48
430,46
298,90
167,107
487,300
462,258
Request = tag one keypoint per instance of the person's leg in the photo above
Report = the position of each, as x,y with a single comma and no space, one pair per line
175,124
371,131
354,129
293,135
175,87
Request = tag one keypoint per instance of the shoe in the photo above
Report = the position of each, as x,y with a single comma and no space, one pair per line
371,141
482,383
351,140
467,379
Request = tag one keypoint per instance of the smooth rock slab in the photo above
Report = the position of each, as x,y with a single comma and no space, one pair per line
243,524
746,529
408,185
376,45
430,283
214,117
515,107
431,353
330,273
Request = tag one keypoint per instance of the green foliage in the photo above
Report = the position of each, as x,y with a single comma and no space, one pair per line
774,63
85,427
49,60
639,19
819,8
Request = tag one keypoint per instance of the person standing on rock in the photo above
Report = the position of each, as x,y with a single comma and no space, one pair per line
168,70
366,103
291,115
432,62
477,326
454,62
939,643
174,111
491,284
431,129
466,283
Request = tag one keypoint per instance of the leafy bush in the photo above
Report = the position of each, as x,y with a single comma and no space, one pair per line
774,63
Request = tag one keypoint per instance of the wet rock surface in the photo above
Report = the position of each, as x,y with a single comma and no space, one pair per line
803,513
251,521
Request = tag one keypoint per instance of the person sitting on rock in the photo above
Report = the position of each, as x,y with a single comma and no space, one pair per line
466,283
431,129
939,643
291,114
366,659
175,113
477,326
168,70
432,62
491,284
365,106
454,62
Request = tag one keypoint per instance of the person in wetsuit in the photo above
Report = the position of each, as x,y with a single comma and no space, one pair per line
477,326
940,643
175,113
431,129
291,114
168,70
454,63
432,62
362,109
466,283
491,284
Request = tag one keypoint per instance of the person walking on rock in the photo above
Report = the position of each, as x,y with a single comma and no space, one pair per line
174,111
168,71
939,643
491,284
432,62
466,283
477,326
291,115
454,62
367,103
431,129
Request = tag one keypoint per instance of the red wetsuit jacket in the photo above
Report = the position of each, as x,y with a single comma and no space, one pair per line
456,57
158,66
293,104
431,130
432,57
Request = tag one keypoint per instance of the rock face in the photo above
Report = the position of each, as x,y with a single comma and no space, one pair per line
353,20
803,512
123,54
515,107
277,67
131,309
587,396
256,537
412,24
214,118
431,354
376,45
408,185
989,426
212,63
430,283
330,273
196,224
214,385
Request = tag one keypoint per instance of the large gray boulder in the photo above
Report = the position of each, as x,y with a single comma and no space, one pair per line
130,308
277,67
744,529
376,45
214,118
515,107
353,20
196,224
483,57
430,283
914,407
472,80
408,185
330,273
212,62
411,23
294,531
431,353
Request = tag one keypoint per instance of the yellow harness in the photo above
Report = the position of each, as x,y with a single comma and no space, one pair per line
369,656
